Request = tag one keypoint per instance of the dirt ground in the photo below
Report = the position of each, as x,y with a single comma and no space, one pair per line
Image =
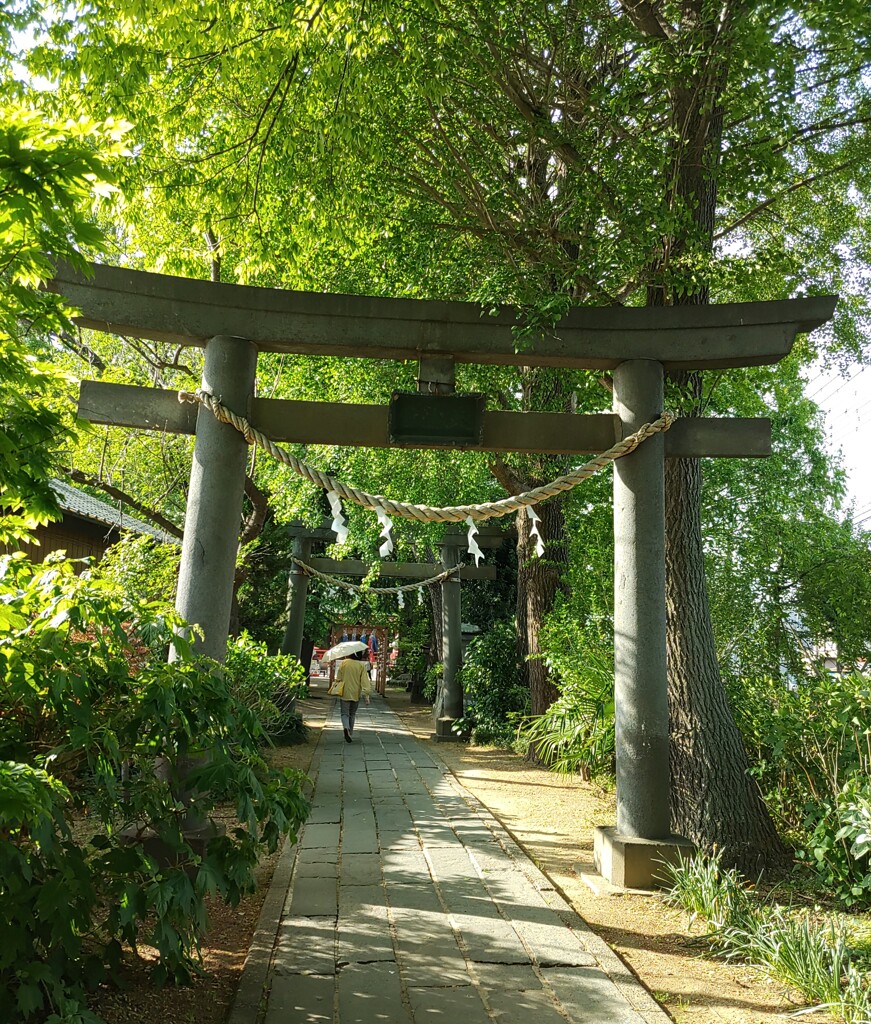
552,818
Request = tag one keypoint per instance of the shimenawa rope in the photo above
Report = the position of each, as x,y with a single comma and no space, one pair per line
429,513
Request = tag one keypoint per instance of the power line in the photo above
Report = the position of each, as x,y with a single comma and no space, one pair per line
853,428
837,379
858,408
843,383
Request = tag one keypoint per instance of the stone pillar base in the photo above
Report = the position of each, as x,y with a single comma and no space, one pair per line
633,863
444,730
198,838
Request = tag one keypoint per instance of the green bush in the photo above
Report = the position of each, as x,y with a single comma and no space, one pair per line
48,898
493,692
431,681
414,644
85,712
143,568
809,748
268,684
839,845
576,733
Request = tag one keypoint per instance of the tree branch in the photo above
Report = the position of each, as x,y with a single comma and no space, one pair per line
114,492
214,257
506,476
82,350
794,187
645,18
253,524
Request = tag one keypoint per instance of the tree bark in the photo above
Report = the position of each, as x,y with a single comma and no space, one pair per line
715,802
539,580
435,598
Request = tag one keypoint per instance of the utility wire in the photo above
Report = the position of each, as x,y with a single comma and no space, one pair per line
814,397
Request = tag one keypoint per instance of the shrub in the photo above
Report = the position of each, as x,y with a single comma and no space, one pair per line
839,845
143,568
414,646
493,692
431,681
268,684
85,712
48,897
809,745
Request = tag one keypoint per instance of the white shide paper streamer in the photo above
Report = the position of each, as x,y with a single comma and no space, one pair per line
533,530
339,525
472,541
386,527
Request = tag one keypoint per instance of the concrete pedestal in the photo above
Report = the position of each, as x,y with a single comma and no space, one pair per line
636,863
444,730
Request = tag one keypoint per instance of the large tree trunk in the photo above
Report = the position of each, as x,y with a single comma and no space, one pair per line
715,802
538,579
435,598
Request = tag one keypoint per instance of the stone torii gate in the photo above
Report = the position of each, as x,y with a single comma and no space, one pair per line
638,345
450,547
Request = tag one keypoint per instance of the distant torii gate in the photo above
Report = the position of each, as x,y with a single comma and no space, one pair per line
233,322
450,547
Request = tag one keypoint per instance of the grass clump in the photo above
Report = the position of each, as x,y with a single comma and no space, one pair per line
810,954
718,896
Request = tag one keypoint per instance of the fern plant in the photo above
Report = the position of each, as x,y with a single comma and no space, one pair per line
576,733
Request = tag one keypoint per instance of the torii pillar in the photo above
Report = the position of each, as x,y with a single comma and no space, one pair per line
451,549
214,505
210,544
630,855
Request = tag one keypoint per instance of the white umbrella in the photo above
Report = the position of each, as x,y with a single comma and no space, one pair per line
343,649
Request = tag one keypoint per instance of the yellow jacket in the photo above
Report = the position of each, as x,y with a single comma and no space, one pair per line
352,679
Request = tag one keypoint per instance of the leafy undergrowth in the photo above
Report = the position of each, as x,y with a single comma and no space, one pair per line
823,955
88,708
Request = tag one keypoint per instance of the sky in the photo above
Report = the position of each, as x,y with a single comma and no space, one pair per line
845,398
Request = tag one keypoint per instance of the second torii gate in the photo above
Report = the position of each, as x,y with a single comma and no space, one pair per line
450,547
639,345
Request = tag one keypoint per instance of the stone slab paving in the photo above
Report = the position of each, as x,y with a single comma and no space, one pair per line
406,901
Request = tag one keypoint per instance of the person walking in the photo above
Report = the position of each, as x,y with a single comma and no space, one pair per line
352,682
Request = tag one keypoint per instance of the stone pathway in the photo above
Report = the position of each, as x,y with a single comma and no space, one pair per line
406,901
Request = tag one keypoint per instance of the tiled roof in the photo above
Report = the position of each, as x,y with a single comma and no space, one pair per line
80,504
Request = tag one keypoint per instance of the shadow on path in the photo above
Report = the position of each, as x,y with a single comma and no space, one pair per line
406,901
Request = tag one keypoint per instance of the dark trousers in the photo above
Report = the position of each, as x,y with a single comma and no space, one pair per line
349,713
